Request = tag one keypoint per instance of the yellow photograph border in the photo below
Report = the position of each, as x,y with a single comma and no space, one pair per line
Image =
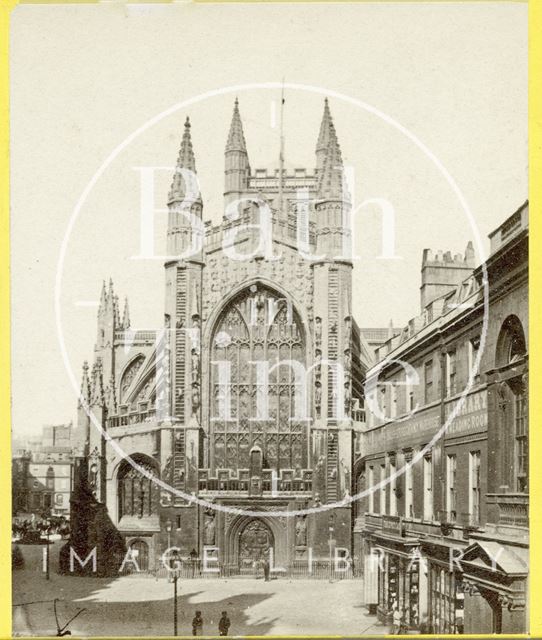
535,306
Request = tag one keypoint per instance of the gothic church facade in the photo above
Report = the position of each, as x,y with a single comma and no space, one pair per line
184,455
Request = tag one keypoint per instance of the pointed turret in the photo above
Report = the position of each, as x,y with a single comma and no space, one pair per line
126,315
331,177
111,396
236,136
237,166
185,185
103,298
98,396
184,197
323,137
391,331
116,310
332,208
84,396
82,432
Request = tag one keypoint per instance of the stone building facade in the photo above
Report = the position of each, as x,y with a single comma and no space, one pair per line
42,473
182,402
445,537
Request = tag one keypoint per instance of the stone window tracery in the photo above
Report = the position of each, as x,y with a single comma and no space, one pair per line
128,376
257,326
138,494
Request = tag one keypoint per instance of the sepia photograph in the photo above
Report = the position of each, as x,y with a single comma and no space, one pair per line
269,319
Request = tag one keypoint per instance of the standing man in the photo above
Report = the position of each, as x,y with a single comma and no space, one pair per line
197,624
266,569
224,624
396,619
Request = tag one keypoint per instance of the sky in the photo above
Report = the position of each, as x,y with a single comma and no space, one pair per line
86,77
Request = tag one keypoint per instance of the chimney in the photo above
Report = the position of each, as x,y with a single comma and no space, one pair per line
441,273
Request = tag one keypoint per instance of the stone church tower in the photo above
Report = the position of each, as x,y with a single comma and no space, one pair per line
187,405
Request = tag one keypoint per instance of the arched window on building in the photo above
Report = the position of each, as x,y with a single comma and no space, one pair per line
511,350
138,495
257,326
128,375
50,479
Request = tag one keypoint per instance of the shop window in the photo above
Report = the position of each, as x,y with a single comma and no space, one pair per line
393,582
446,602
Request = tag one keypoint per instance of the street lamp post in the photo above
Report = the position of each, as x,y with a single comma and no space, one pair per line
175,578
169,526
331,531
193,560
48,531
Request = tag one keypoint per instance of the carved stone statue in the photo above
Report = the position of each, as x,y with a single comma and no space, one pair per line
318,398
318,364
301,532
318,331
209,529
194,360
345,472
196,399
347,398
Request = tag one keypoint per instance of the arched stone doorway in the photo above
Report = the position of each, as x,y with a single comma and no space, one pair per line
255,540
140,553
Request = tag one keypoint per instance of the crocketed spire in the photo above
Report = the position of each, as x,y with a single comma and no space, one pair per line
330,178
185,186
126,315
111,396
85,386
236,137
327,122
97,393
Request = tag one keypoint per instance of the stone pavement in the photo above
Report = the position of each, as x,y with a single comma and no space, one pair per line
142,605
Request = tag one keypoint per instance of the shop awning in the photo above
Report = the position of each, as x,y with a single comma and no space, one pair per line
497,556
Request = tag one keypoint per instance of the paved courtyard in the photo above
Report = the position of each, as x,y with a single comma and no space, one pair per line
142,605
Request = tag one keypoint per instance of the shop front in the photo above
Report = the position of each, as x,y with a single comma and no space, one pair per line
401,579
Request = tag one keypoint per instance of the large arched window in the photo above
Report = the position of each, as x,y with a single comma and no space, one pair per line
128,376
258,326
511,348
511,342
138,494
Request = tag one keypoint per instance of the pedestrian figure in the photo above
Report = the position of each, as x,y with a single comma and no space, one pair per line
266,569
224,624
197,624
424,626
403,627
396,618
